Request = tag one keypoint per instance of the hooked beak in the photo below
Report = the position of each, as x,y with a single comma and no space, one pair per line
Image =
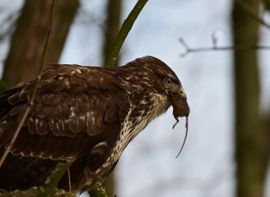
179,103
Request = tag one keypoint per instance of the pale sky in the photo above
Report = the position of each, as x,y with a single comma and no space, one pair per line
148,166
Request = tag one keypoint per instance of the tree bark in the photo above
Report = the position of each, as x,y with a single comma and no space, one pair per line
250,137
27,41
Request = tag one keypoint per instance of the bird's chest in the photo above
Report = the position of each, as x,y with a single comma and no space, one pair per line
130,128
135,121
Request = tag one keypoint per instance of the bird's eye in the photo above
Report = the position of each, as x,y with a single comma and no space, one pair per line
169,82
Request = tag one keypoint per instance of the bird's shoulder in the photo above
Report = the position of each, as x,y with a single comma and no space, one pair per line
69,79
72,102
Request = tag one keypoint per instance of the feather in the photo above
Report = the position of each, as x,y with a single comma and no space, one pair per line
84,114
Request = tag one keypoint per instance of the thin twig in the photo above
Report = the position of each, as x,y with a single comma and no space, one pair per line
125,29
45,48
189,50
69,180
27,110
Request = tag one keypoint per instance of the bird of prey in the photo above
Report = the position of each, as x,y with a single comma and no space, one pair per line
86,115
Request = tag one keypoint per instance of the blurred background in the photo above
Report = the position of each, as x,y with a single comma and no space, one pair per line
228,89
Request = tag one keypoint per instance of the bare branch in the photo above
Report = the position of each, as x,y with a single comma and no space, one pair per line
189,50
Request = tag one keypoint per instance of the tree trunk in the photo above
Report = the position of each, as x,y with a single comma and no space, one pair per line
111,30
27,42
251,143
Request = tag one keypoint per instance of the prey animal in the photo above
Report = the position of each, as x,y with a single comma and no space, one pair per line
83,115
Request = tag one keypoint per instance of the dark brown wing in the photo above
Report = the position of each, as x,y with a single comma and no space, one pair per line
75,108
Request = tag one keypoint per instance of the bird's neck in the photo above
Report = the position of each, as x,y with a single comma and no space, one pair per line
139,116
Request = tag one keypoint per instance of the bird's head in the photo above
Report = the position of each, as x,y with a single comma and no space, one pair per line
159,77
168,84
152,87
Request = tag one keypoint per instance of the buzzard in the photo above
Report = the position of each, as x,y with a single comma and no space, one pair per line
86,115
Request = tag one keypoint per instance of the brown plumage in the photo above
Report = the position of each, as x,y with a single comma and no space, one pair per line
87,115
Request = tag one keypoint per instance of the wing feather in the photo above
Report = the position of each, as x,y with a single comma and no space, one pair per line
75,108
